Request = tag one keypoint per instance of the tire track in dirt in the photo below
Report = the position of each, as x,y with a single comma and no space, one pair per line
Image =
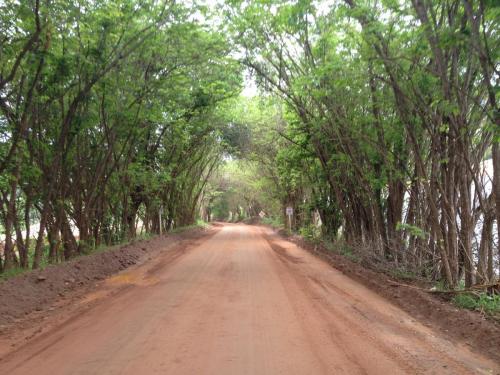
240,302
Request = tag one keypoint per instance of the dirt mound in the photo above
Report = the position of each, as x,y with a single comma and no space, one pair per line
38,290
461,325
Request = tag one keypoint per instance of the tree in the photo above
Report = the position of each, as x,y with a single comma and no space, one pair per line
396,104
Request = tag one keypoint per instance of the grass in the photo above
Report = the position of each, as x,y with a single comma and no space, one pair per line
44,262
349,254
403,274
11,273
441,286
311,233
483,302
273,222
198,224
342,249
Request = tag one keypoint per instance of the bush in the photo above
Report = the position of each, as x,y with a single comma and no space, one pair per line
403,274
275,223
489,304
465,301
309,232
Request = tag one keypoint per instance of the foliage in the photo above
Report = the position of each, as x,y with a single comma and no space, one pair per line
309,232
489,304
110,122
465,301
273,222
386,120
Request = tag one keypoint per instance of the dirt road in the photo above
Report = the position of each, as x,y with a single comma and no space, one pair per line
233,305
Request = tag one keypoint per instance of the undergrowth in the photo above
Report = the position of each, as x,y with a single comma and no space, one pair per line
198,224
273,222
311,233
403,274
7,274
441,285
342,249
483,302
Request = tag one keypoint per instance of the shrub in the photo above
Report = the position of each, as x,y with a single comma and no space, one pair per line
465,301
309,232
489,304
274,222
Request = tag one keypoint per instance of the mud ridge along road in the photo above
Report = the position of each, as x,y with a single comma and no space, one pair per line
233,304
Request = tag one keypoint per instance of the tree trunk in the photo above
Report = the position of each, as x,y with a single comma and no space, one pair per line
37,259
485,261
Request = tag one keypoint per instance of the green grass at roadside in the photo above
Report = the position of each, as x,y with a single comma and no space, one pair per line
11,273
104,247
483,302
403,274
273,222
343,249
198,224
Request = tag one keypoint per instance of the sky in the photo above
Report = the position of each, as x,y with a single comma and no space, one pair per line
249,88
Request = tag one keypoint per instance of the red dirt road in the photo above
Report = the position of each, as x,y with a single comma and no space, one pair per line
233,305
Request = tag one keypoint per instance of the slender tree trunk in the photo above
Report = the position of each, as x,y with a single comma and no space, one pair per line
485,258
466,228
496,187
37,259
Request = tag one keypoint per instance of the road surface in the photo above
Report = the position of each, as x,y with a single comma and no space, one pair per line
233,305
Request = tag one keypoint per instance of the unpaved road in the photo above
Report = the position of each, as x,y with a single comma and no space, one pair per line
235,305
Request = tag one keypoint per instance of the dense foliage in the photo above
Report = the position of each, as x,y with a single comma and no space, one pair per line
109,121
392,122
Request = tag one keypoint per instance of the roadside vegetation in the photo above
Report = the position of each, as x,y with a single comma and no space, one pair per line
109,122
482,302
388,127
382,130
